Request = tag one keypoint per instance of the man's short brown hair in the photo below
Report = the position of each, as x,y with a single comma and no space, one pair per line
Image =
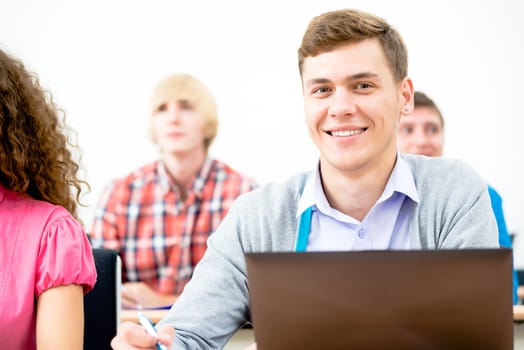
332,29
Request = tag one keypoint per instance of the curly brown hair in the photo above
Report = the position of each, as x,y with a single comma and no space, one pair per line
35,155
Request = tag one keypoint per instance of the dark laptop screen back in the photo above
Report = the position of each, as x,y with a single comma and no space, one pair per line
445,299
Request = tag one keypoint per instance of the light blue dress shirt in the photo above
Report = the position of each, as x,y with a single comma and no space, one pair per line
384,227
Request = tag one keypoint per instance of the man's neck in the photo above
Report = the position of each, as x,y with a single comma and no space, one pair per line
355,193
184,168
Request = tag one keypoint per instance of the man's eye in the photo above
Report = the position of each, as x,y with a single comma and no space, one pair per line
320,90
186,105
432,130
162,108
363,86
404,131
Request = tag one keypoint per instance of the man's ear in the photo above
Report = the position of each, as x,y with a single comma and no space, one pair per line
407,96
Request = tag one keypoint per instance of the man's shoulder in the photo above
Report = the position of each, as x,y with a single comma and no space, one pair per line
286,192
142,174
230,172
421,166
439,175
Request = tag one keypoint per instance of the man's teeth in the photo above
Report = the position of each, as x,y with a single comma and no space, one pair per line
347,132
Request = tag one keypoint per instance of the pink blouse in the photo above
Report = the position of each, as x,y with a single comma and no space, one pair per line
41,246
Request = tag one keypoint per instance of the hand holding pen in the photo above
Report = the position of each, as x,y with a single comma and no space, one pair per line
132,335
148,325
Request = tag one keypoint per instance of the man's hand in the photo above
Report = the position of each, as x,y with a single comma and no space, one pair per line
133,336
138,295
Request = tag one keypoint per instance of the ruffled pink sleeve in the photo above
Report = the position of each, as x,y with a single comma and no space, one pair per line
65,256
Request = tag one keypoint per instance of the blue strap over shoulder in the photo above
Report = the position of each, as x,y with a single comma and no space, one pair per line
304,226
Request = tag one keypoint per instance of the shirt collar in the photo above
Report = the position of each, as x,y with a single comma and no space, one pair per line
168,184
308,197
401,180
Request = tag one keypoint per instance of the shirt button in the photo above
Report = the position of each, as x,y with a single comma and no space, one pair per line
361,233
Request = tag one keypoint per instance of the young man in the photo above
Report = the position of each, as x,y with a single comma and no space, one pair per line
353,67
422,132
160,216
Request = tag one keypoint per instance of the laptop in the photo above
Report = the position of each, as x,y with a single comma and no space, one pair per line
424,299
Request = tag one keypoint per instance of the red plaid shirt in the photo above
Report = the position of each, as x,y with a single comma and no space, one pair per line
159,236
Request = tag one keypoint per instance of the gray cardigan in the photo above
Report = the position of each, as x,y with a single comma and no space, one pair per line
453,212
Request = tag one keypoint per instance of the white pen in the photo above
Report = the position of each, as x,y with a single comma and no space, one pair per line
148,325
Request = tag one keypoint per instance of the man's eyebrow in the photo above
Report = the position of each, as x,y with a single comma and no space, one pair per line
357,76
316,81
362,75
432,123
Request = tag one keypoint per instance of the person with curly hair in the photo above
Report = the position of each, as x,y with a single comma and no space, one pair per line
46,259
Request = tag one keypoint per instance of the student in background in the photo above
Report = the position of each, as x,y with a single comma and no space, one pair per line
46,260
159,216
422,132
363,195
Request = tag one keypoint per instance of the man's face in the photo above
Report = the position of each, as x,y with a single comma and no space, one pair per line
421,133
178,128
352,105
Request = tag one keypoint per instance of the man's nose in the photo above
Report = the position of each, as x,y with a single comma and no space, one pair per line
342,103
173,111
419,137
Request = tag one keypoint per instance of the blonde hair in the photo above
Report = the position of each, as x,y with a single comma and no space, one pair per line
187,87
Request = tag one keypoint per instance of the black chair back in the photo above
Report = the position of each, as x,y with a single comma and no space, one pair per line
102,303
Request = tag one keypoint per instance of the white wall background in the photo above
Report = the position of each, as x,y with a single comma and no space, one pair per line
101,59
